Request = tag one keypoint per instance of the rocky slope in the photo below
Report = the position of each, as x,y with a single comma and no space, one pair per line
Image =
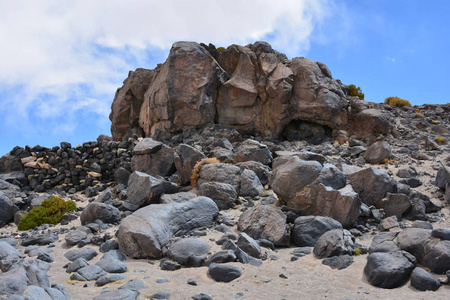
314,194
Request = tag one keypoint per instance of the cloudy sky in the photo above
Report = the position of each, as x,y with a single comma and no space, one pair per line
62,61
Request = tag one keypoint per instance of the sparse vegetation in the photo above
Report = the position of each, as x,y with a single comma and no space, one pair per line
220,49
396,101
440,140
355,92
51,211
357,251
418,115
198,166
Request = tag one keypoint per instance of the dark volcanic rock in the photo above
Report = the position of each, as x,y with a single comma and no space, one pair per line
423,280
99,211
224,272
308,229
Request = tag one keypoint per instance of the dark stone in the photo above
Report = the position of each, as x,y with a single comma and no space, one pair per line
168,265
334,243
308,229
184,251
87,254
109,278
122,294
423,280
222,256
99,211
88,273
338,262
223,272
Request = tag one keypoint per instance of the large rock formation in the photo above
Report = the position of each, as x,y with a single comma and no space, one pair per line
255,89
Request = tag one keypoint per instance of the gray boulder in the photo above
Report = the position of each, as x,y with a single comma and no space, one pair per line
250,186
332,177
443,177
334,243
88,273
423,280
188,251
223,194
76,265
99,211
112,265
122,175
87,254
144,189
372,185
120,294
388,270
249,245
7,209
76,236
342,205
153,158
251,150
220,172
291,177
338,262
395,204
185,158
8,256
177,197
261,170
308,229
220,257
224,272
378,152
144,233
265,222
109,278
33,292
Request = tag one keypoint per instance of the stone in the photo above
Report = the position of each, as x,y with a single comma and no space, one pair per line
265,222
261,170
388,270
120,294
407,172
147,146
423,280
220,257
13,282
249,245
134,284
160,163
86,254
177,197
342,205
369,122
441,233
202,296
88,273
251,150
395,204
74,237
122,175
338,262
168,265
7,209
223,194
185,158
76,264
443,177
8,256
109,278
160,296
436,256
331,176
40,239
388,223
250,185
188,250
33,292
144,233
99,211
112,265
378,152
144,189
224,272
308,229
372,185
334,242
291,177
220,172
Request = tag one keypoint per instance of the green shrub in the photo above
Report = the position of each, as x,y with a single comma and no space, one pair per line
355,92
396,101
51,211
220,49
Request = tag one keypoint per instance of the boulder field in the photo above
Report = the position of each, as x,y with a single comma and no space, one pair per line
236,173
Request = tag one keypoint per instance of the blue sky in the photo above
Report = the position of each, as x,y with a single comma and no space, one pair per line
60,64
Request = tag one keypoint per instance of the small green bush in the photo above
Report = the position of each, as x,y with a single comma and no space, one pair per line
220,49
396,101
51,211
355,91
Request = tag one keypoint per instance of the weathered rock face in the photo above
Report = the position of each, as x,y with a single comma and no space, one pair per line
254,89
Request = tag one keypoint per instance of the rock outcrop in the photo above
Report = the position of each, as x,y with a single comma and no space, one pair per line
254,89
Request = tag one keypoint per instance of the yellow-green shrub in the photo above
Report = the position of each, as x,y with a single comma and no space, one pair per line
396,101
440,140
51,211
198,166
220,49
355,91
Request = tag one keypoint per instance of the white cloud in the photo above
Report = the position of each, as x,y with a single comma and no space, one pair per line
391,59
58,52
